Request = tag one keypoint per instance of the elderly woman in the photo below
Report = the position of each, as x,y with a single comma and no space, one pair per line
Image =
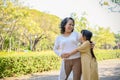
64,43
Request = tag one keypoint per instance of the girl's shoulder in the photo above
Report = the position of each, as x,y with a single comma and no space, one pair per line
86,43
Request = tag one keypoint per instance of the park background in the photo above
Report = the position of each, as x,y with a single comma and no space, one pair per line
28,29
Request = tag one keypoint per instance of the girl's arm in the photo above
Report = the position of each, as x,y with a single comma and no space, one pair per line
73,52
82,48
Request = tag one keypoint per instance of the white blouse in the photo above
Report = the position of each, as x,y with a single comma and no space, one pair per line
67,44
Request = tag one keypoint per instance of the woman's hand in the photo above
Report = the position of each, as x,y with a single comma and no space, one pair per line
65,55
92,45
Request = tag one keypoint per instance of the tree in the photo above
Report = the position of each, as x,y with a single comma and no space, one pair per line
21,27
104,38
10,17
43,32
117,36
112,5
81,23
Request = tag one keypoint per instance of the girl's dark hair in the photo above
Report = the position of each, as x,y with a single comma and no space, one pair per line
64,22
88,36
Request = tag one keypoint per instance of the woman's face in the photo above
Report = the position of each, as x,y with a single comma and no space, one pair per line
69,26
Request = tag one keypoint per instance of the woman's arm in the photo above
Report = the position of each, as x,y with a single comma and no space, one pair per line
56,47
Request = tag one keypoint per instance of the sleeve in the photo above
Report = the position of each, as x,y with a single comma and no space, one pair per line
56,47
83,47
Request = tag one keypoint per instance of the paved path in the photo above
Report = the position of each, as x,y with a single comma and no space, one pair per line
108,70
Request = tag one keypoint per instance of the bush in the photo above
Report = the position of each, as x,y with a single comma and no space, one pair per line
15,64
25,63
107,54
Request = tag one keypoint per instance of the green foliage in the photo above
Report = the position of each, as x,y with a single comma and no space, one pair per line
103,37
117,36
26,27
10,22
45,30
26,63
80,23
112,5
23,28
107,54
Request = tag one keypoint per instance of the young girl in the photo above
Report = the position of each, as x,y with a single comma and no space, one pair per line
88,59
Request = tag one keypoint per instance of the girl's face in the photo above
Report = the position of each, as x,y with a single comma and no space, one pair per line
69,26
83,38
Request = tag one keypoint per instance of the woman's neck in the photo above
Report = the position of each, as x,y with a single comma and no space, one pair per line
67,33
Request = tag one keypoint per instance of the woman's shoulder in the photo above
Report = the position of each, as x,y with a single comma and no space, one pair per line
58,37
75,33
